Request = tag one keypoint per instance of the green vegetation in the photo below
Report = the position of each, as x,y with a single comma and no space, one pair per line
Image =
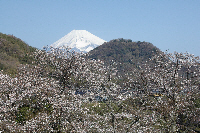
30,107
126,53
197,102
13,52
102,108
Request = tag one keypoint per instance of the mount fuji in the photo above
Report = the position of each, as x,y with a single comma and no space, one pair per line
79,41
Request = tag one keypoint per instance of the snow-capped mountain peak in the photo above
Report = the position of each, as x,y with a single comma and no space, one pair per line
79,40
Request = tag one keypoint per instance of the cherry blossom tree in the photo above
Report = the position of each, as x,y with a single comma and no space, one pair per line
64,92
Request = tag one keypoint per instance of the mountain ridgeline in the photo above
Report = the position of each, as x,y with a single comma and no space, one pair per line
13,52
127,54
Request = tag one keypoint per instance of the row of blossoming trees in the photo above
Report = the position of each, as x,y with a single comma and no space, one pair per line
64,92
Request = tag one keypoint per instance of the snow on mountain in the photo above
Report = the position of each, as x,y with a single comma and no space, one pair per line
79,40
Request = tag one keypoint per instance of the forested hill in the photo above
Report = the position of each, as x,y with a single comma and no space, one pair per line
126,53
13,52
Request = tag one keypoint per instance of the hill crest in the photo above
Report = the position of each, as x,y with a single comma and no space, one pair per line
126,53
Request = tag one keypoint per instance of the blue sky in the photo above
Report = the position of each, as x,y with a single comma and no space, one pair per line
169,24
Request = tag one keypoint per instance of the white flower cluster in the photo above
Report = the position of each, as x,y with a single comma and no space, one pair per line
64,92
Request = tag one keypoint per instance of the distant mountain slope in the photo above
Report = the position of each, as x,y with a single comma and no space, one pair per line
13,52
79,40
126,53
